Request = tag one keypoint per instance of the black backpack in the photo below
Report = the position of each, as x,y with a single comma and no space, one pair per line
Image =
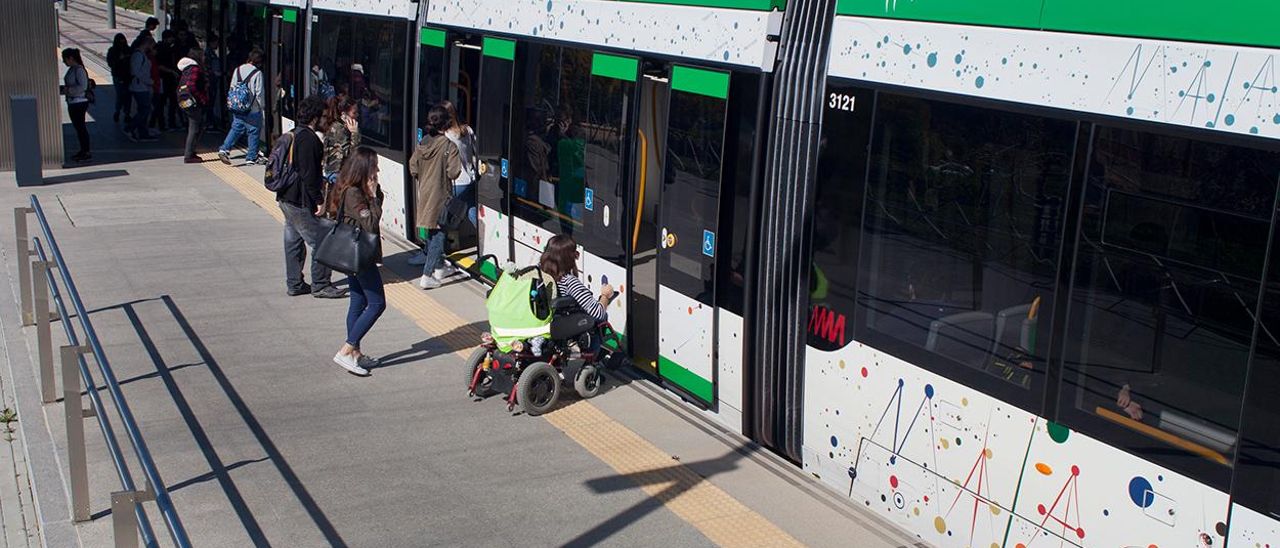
280,173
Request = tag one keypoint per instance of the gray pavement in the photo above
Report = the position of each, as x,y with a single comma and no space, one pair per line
262,440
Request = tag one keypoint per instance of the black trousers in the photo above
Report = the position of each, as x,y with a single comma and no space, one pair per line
77,112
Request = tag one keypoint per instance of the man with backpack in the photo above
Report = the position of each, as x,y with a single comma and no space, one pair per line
244,102
193,99
293,172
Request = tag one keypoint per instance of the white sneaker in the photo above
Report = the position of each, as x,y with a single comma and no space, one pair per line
349,363
444,272
419,259
428,282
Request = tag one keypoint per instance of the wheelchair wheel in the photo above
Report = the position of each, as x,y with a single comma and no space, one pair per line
538,389
589,382
482,388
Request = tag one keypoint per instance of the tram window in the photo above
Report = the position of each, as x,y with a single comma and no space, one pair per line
742,129
548,181
493,122
962,228
691,189
1169,261
837,220
1257,478
605,132
365,59
431,80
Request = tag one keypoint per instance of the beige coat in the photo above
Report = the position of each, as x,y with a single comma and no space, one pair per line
434,165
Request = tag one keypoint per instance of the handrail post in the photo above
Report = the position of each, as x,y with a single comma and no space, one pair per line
44,339
75,413
123,523
24,258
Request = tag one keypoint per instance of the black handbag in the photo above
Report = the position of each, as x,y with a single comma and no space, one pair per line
346,248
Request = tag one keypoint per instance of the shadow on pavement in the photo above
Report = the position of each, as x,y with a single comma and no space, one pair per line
682,477
86,176
219,471
436,345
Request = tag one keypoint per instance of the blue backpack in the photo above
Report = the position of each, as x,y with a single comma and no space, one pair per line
239,97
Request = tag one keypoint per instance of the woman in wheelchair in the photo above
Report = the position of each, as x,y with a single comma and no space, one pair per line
559,260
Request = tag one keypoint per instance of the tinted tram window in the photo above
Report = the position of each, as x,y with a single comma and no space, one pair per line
691,190
605,131
1169,261
963,222
549,176
365,58
431,77
837,219
1257,479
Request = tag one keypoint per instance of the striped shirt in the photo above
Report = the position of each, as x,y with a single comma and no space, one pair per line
571,286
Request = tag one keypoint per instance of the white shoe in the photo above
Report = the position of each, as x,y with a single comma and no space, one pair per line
444,272
428,282
419,259
349,363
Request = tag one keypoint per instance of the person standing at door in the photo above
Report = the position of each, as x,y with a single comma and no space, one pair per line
246,114
118,61
140,86
193,98
301,203
76,89
434,165
464,138
166,102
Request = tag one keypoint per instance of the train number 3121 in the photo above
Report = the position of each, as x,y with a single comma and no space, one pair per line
840,101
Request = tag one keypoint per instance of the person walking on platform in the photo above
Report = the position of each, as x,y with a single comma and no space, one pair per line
76,89
244,100
118,61
341,136
434,165
140,84
193,99
356,199
302,203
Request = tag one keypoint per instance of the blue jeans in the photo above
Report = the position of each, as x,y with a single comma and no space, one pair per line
434,251
142,99
368,301
467,193
246,124
301,228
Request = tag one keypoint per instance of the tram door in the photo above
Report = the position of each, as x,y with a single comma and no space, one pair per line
493,135
688,231
284,76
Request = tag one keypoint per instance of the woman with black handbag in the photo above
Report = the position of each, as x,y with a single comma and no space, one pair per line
356,200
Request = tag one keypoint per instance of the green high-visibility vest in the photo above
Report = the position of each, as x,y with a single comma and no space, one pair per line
511,313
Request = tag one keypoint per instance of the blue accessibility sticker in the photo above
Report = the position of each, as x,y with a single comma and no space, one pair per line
504,168
708,243
589,200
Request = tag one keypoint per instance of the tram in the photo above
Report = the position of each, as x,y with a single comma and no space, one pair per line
1038,303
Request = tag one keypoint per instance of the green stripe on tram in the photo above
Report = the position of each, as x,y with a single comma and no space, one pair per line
688,380
712,83
761,5
613,66
500,48
431,37
289,16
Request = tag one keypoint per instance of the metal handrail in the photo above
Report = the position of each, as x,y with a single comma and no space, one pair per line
172,522
104,423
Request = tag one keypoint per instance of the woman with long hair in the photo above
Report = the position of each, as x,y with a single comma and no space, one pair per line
341,134
356,200
560,261
464,188
76,89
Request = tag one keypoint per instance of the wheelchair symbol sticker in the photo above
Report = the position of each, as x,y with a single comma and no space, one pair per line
504,168
589,200
708,243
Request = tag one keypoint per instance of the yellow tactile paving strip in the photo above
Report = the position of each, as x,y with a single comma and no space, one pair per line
710,510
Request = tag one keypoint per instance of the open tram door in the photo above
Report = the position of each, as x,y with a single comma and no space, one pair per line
698,138
282,72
